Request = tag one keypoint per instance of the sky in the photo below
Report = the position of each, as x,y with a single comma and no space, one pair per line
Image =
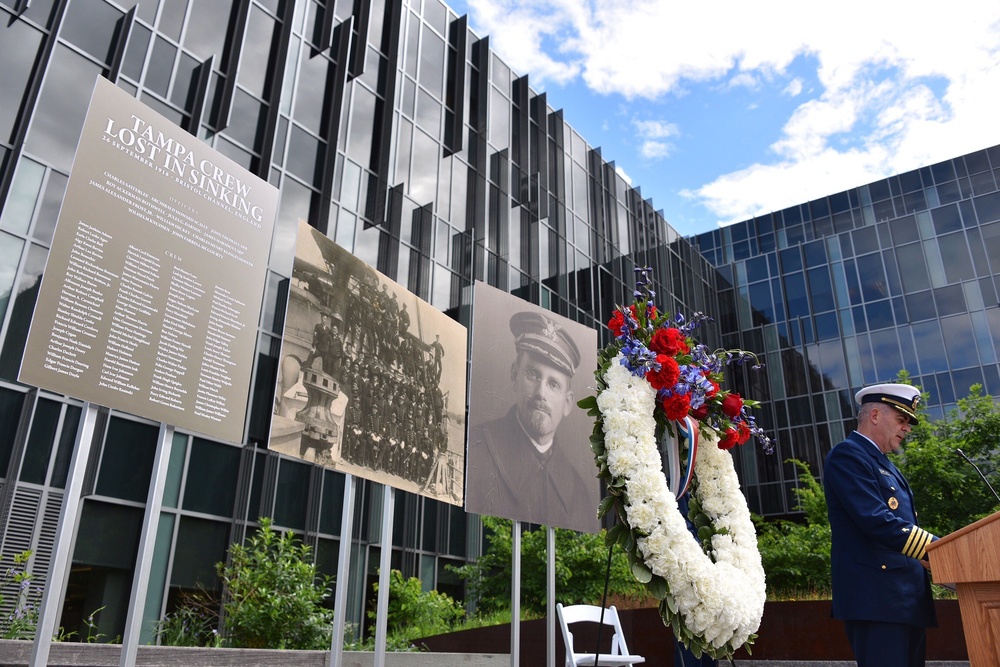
719,111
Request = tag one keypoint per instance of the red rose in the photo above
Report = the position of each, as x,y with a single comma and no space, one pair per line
713,391
676,407
667,376
729,439
731,405
651,313
668,341
742,432
700,413
617,323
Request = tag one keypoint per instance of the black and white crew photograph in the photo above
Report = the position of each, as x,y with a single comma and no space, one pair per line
371,378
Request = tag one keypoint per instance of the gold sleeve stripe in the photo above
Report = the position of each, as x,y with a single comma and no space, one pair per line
916,544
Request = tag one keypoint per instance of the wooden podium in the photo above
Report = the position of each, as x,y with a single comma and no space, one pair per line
970,559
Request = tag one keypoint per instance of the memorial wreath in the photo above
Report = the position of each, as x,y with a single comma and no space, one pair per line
657,385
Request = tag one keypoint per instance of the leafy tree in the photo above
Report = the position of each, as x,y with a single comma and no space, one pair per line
950,493
581,562
275,595
796,555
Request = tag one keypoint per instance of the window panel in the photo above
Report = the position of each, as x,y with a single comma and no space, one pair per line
127,460
213,469
930,347
961,348
261,36
160,66
821,290
19,44
914,277
62,108
955,257
23,196
90,25
203,35
201,544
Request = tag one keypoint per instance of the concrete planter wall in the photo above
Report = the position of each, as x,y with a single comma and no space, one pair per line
70,654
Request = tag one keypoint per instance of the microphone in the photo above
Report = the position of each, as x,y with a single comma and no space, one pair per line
990,486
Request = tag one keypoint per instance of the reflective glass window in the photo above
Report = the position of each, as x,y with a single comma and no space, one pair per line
21,310
201,544
62,108
160,66
865,240
914,276
359,142
821,289
946,390
872,277
311,90
127,460
185,81
946,219
756,269
988,207
791,260
39,446
246,122
260,40
91,25
950,300
982,183
23,195
961,348
303,155
955,256
920,306
827,327
879,315
943,171
292,494
213,469
885,350
930,347
815,253
432,49
19,44
796,298
203,35
760,300
499,125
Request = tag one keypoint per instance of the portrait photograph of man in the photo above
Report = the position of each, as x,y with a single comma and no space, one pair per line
529,456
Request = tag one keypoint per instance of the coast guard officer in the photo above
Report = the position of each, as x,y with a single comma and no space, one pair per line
881,585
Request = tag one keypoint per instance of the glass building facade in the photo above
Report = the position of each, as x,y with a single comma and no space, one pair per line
397,132
390,127
849,289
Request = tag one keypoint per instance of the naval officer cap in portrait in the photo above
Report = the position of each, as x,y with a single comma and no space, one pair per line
881,581
520,464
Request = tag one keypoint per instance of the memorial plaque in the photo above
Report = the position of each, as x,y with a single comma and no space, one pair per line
153,287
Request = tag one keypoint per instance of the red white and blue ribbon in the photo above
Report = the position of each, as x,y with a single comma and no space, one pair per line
686,429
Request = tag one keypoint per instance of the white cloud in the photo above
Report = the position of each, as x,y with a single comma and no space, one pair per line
794,87
897,86
655,129
654,150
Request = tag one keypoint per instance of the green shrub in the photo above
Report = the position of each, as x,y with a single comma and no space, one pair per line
414,612
20,622
275,595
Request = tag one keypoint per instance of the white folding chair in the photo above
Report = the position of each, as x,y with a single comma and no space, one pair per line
580,613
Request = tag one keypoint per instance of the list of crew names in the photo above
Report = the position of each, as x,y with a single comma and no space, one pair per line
153,309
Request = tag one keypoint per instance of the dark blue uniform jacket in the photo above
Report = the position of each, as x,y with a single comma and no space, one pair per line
876,542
